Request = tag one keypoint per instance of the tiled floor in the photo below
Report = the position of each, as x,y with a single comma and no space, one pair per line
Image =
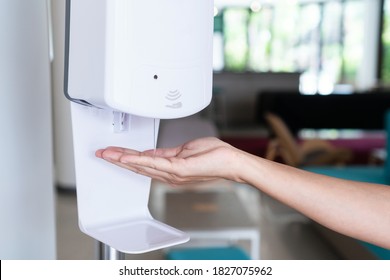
285,234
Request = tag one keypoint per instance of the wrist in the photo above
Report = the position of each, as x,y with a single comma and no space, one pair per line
240,162
250,169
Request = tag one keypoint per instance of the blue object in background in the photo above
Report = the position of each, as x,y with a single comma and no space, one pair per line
209,253
369,174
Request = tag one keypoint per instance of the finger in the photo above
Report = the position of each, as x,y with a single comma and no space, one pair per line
149,172
170,178
99,153
159,163
122,150
175,165
145,171
163,152
179,152
111,155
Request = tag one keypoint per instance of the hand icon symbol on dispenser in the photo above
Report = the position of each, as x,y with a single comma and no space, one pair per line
112,56
173,95
174,99
177,105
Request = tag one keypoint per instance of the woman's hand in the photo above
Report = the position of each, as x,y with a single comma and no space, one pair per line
349,207
196,161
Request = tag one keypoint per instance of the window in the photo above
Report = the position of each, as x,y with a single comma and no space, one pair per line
385,62
321,39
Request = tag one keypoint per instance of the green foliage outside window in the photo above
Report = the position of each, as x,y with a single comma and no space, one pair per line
323,38
386,45
236,39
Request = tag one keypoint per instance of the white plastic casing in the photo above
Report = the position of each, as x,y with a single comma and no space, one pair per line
151,59
148,58
112,202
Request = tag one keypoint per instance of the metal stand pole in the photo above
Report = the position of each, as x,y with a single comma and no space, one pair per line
105,252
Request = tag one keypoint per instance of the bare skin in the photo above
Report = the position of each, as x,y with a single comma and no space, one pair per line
360,210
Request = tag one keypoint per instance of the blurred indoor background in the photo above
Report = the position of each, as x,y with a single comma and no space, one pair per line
323,66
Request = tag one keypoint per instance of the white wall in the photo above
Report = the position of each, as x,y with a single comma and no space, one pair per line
63,141
27,216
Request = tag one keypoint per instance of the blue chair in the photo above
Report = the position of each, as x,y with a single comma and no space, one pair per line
370,174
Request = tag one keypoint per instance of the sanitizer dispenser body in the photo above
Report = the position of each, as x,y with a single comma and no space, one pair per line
129,63
147,58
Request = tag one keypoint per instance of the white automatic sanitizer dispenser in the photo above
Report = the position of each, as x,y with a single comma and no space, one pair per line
128,63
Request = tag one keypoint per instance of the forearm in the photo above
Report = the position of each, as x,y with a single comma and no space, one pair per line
360,210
